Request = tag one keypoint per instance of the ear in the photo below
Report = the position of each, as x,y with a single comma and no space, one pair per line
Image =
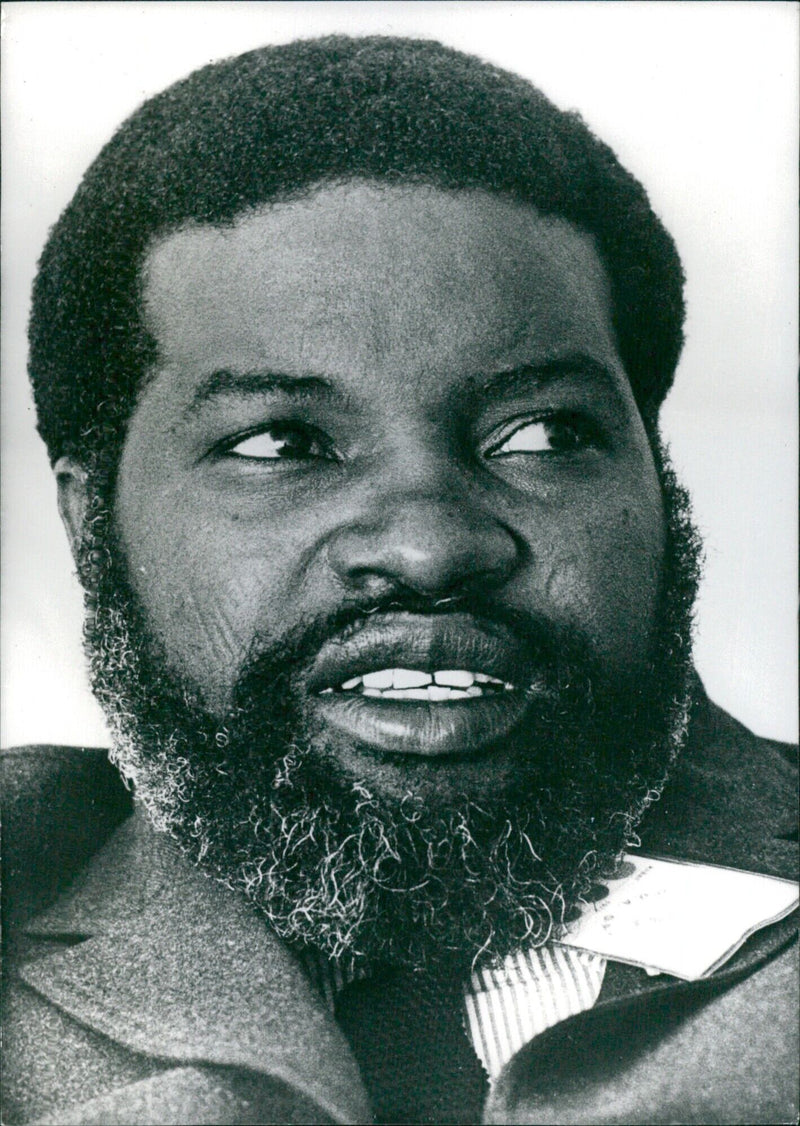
73,499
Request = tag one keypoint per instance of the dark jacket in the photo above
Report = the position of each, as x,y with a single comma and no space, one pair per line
140,991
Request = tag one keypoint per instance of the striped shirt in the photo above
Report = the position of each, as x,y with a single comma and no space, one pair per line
505,1005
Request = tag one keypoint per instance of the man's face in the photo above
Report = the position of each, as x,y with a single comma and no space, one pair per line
379,391
389,546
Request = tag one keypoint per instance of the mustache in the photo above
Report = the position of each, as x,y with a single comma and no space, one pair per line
562,653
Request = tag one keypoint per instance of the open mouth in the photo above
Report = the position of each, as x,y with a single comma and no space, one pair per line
423,685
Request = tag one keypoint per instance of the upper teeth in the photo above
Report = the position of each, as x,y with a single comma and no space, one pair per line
411,684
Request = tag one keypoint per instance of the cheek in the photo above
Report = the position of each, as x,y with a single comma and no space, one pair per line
601,573
208,591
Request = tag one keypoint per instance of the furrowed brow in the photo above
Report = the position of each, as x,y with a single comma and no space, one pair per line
576,365
241,385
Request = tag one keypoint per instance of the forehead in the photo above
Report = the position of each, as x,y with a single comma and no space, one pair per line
378,278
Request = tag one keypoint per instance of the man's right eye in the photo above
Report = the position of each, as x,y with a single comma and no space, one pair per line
282,441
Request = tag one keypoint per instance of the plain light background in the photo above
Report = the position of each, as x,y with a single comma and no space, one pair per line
699,100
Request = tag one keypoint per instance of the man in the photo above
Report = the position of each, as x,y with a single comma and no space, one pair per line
349,356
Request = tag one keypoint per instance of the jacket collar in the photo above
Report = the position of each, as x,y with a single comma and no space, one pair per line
731,798
162,976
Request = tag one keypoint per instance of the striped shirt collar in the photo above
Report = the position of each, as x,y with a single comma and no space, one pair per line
506,1004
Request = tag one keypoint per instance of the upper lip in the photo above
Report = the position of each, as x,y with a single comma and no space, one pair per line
420,641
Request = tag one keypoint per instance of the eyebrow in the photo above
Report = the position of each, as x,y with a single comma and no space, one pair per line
578,364
245,384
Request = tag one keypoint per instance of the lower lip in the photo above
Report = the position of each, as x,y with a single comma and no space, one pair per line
427,730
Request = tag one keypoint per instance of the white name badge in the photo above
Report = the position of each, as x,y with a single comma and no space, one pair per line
680,918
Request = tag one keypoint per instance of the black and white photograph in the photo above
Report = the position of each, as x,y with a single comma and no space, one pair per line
399,562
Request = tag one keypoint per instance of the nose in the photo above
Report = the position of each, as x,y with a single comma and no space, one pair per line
432,545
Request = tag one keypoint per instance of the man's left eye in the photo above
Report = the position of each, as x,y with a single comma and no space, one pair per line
548,435
282,441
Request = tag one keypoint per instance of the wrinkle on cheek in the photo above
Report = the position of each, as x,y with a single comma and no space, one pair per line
206,633
217,633
223,622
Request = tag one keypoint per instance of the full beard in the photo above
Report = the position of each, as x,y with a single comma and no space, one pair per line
258,796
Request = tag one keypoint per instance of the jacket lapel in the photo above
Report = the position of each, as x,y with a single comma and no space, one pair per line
178,967
722,1049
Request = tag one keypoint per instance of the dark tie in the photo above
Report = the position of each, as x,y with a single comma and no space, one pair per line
407,1033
